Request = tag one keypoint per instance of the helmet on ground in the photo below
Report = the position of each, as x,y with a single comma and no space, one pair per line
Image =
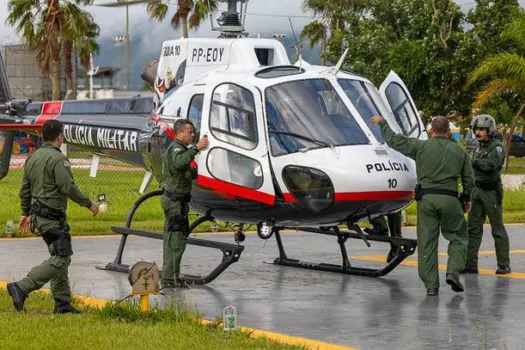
484,121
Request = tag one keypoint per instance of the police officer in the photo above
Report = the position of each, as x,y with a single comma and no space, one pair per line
487,162
439,163
382,227
46,186
178,176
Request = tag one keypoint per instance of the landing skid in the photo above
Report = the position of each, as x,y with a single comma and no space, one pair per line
404,246
230,252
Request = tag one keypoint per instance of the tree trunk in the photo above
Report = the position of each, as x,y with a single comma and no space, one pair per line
55,72
185,27
510,131
68,65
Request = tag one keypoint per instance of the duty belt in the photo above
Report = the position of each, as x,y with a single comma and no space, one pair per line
488,185
44,211
420,192
186,198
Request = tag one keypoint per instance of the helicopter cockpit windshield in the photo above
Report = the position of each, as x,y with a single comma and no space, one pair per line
367,101
308,114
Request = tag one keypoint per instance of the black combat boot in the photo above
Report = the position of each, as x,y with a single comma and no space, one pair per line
503,270
64,307
18,296
470,270
167,284
182,283
432,292
453,280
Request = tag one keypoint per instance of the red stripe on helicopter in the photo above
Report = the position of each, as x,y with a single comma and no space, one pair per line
232,190
50,110
289,198
374,196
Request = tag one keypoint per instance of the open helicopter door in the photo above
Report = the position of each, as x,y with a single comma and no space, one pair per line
236,163
405,114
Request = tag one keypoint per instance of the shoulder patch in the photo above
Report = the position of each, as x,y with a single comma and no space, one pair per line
66,163
176,149
499,149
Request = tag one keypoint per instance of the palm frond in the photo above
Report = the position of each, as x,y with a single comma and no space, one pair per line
496,88
157,10
515,31
503,66
315,32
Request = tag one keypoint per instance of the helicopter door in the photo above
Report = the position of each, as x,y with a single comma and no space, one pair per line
405,115
236,161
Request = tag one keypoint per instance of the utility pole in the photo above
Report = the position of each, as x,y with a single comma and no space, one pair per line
126,3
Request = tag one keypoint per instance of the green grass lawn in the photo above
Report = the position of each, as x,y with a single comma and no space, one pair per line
114,327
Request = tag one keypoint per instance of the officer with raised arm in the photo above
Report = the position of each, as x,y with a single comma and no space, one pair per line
440,161
47,184
178,176
487,198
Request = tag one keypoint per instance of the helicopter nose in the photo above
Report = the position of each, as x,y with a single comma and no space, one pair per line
312,188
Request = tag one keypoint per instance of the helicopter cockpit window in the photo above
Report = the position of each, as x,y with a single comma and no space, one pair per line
232,116
195,113
404,112
309,114
362,96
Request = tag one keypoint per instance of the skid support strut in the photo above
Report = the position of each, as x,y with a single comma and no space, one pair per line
404,246
230,252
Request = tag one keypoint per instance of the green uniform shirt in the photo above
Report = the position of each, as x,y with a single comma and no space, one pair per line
48,178
176,168
487,161
439,161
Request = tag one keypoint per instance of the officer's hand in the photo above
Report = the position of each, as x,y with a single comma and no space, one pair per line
203,143
376,119
467,206
25,225
94,209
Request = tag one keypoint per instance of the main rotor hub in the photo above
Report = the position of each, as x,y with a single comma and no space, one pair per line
230,23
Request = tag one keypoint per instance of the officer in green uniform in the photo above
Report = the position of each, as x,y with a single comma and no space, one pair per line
487,162
439,163
46,186
178,176
382,227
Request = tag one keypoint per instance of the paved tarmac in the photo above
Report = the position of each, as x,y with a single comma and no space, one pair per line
391,312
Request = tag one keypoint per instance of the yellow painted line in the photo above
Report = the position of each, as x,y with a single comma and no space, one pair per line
413,263
254,333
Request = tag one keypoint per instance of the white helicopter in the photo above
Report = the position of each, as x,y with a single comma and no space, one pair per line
290,145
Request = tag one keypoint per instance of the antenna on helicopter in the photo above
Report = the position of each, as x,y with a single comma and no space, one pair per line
341,61
230,25
297,45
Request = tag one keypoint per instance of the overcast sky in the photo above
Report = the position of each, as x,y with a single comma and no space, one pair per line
111,20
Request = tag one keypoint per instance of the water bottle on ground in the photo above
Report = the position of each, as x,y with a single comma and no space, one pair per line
230,318
9,228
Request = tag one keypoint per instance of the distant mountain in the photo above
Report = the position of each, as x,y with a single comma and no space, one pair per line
147,47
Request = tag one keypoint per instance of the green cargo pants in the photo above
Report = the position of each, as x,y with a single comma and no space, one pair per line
435,213
53,270
487,203
174,242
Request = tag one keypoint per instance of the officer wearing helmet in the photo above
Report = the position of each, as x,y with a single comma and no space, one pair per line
487,197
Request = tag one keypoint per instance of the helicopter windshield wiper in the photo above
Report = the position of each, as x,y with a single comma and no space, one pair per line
302,137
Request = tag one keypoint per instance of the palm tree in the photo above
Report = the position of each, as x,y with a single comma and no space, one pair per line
332,17
44,25
79,35
189,14
507,71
